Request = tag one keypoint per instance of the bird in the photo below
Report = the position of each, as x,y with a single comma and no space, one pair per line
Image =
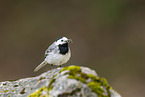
58,53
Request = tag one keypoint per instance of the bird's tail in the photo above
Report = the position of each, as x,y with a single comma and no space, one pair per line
40,66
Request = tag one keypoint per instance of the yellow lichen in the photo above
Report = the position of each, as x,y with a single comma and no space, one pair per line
6,91
95,84
72,68
96,87
39,92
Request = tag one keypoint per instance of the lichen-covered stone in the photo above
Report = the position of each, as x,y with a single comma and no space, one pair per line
71,81
26,86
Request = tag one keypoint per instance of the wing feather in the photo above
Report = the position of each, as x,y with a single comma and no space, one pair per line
50,49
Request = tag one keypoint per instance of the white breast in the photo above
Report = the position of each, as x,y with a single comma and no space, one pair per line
57,58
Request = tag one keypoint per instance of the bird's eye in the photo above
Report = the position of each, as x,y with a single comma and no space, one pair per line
61,40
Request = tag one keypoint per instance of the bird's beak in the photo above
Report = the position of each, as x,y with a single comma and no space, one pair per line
69,40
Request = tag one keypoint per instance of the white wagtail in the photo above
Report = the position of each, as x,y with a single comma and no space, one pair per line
57,54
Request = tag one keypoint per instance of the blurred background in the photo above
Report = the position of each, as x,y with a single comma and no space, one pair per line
108,36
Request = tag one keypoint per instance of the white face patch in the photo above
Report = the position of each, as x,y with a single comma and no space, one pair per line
63,40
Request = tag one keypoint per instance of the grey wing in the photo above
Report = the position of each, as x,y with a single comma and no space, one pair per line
50,49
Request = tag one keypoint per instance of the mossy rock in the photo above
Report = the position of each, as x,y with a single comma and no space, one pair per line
71,81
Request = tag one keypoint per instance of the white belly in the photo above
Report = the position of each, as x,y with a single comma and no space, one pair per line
57,59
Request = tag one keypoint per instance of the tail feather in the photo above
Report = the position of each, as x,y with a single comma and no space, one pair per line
40,66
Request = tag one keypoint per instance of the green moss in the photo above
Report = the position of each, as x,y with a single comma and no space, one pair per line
41,78
75,73
23,91
14,90
15,85
76,77
50,88
95,84
72,68
84,76
96,87
39,92
103,81
51,82
93,77
4,83
6,91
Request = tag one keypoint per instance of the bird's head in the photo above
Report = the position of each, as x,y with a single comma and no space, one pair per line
62,40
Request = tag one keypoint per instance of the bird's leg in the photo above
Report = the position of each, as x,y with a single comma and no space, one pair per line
51,66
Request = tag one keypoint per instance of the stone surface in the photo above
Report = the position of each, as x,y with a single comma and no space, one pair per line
72,81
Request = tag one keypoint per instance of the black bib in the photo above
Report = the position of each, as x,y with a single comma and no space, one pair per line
63,48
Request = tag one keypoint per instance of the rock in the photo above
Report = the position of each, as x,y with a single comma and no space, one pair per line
71,81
